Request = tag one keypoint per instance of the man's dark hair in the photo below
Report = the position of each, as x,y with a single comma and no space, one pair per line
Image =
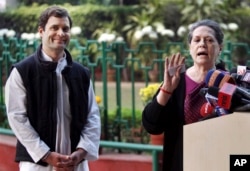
54,11
209,23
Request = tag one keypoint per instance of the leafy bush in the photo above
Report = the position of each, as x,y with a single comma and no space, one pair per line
126,115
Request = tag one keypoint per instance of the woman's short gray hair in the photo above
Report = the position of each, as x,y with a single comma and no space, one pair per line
209,23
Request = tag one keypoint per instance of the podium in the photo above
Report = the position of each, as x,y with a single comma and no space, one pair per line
207,145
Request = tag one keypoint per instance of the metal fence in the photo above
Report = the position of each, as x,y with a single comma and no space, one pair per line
131,65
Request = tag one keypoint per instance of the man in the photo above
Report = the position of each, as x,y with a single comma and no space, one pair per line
51,104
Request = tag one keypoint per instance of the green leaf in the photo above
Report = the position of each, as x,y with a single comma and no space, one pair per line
200,2
188,10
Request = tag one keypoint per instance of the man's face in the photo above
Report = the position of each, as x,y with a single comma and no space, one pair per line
56,35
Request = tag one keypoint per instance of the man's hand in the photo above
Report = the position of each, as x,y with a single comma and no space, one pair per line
55,159
68,163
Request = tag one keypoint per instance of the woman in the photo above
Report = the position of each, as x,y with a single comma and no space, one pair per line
178,101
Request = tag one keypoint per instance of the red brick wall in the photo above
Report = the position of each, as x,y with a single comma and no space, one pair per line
106,162
7,153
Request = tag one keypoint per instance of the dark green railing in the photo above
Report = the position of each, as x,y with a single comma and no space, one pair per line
154,149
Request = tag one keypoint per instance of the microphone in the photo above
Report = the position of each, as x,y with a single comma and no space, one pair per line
243,108
225,95
233,70
221,111
241,75
237,78
206,109
244,92
210,109
245,79
212,100
228,97
241,69
216,78
203,91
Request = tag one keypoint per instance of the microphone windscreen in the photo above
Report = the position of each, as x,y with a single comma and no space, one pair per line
233,70
213,91
216,78
203,91
206,109
246,77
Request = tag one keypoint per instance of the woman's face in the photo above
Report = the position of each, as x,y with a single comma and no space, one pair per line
204,47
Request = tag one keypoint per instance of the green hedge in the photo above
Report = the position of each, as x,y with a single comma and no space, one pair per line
93,17
88,17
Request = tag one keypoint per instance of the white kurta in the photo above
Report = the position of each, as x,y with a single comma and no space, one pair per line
15,99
